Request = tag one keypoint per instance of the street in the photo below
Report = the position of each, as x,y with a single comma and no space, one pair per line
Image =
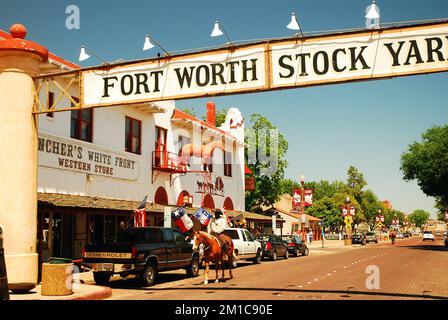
410,269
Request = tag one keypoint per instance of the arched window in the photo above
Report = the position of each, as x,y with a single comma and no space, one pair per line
208,202
180,199
161,197
228,204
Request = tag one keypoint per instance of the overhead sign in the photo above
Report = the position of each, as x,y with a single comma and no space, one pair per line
275,64
79,156
201,74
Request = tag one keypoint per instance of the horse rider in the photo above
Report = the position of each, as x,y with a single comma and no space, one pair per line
216,228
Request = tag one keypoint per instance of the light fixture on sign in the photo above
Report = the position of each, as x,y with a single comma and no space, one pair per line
148,44
83,55
218,30
372,16
373,11
294,24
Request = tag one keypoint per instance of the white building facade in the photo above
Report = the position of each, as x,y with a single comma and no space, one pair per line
96,165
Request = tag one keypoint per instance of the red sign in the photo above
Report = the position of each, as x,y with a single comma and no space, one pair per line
296,198
352,211
249,183
446,215
344,212
308,197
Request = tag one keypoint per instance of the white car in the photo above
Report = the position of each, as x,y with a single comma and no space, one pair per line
246,247
428,235
400,235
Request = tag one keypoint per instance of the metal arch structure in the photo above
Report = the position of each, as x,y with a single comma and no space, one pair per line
267,65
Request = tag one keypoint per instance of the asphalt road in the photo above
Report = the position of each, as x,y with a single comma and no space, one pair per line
410,269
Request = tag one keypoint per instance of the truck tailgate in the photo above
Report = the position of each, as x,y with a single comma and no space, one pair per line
108,252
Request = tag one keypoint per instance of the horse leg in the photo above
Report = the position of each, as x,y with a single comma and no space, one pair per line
222,269
206,272
232,256
217,271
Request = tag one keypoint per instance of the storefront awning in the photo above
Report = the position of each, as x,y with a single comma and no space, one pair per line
88,202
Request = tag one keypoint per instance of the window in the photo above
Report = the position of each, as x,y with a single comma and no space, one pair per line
178,238
133,135
227,164
248,236
81,124
160,157
181,141
50,102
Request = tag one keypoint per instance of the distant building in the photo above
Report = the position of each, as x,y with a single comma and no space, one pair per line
388,204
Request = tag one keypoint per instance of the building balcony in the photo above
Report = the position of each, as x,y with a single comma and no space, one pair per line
168,162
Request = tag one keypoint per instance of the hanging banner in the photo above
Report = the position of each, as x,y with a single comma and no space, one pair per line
269,65
308,195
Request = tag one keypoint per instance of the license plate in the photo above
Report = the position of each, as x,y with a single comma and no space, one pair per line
103,267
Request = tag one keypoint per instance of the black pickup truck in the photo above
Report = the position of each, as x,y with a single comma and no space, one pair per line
142,252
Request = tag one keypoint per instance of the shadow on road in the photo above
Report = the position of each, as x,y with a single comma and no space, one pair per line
433,247
165,277
344,293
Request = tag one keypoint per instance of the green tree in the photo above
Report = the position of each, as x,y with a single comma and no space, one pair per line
419,217
327,209
221,115
189,111
287,185
355,179
427,163
268,188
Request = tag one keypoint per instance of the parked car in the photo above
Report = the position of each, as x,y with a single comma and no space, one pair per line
406,235
143,252
400,235
246,247
446,240
371,237
295,245
428,235
358,239
273,246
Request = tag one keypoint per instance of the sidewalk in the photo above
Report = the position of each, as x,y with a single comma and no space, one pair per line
330,246
81,291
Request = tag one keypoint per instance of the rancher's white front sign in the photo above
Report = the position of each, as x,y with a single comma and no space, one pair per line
74,155
355,56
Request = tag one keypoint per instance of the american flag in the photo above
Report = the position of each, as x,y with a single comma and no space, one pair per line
140,214
143,203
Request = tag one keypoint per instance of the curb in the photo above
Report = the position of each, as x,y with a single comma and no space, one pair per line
105,293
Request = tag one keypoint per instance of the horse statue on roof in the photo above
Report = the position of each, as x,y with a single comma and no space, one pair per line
213,253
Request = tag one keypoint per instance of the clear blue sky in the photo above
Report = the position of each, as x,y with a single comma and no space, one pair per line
367,124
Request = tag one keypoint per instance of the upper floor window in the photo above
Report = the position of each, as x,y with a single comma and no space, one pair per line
160,147
133,135
50,102
181,141
81,124
227,164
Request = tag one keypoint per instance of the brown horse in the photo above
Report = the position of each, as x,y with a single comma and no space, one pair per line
213,253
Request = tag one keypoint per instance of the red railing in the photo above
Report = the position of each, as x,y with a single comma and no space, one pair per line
167,161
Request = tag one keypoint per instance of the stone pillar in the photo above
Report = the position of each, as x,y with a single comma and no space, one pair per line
19,62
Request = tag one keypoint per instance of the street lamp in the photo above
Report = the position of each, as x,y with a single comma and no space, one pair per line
380,222
302,206
347,220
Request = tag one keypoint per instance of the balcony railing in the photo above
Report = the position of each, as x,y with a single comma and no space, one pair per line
167,162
